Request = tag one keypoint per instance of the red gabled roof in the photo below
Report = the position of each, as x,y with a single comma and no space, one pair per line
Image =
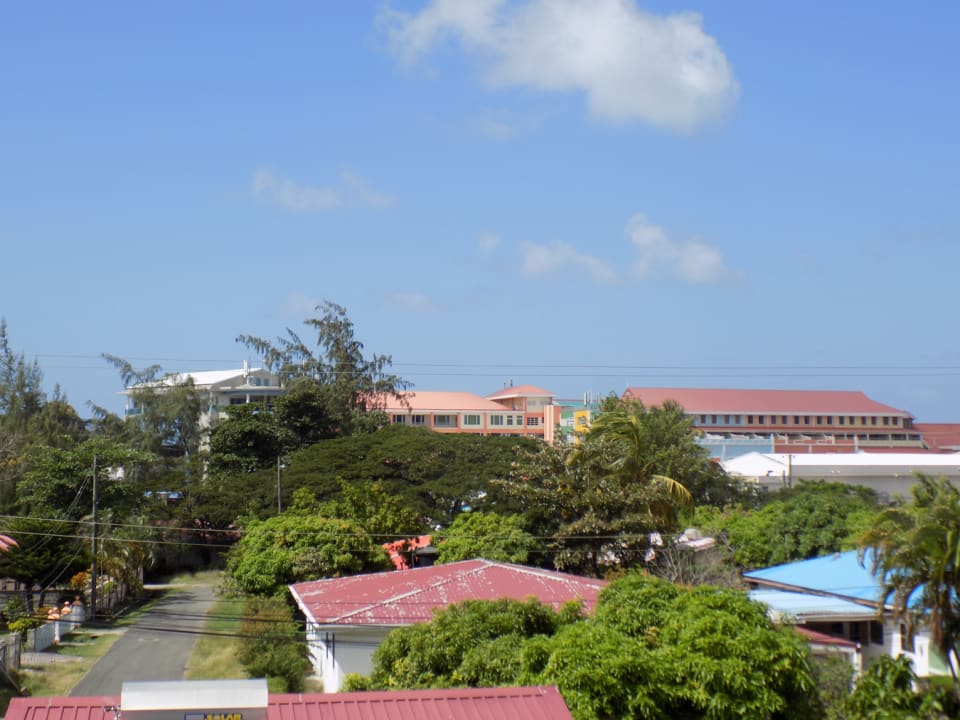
520,391
412,596
523,703
759,402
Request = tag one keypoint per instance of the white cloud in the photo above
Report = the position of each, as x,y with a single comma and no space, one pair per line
630,64
287,194
692,261
549,259
413,302
487,243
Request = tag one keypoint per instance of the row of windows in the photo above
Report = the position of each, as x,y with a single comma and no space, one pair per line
450,421
818,420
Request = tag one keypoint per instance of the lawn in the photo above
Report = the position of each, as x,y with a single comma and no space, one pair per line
215,654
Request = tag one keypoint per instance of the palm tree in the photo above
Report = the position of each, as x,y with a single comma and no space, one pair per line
915,551
629,439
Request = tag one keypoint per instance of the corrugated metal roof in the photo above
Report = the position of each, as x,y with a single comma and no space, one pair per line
525,703
819,638
841,575
781,402
804,607
411,596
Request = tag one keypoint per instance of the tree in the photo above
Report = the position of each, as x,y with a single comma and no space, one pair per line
914,548
487,535
807,521
343,387
249,439
651,650
384,516
602,499
272,646
886,692
295,547
47,552
168,408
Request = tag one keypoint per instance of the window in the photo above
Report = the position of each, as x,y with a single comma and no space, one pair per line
533,422
829,419
496,419
726,419
445,421
398,419
876,633
520,420
819,419
873,420
509,419
806,419
418,419
238,401
840,419
703,419
796,419
783,419
471,420
750,419
886,420
713,419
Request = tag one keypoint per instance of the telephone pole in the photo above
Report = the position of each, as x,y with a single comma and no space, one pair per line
93,541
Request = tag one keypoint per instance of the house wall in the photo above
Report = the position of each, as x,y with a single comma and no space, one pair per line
337,651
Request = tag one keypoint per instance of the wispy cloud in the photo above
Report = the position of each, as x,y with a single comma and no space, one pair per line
412,302
287,194
540,260
631,65
692,261
487,243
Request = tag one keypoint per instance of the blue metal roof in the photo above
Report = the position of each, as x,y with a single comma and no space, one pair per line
810,608
840,574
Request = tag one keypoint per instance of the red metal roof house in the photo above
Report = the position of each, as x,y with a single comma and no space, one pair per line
348,617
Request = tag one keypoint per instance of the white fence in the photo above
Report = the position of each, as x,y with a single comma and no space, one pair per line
52,631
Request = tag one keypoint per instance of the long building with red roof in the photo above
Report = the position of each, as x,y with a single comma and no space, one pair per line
794,420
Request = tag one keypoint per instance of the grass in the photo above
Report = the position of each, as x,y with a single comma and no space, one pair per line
58,678
215,658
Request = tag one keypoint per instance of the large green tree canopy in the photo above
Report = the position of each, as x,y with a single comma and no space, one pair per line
652,650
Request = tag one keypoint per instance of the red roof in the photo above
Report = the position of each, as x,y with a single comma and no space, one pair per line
533,703
412,596
520,391
782,402
436,401
399,549
820,638
7,542
525,703
942,437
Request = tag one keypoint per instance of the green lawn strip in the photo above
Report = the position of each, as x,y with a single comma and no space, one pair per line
214,654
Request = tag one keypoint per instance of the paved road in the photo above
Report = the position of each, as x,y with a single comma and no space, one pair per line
156,647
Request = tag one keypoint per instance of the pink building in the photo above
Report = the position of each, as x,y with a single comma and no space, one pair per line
523,410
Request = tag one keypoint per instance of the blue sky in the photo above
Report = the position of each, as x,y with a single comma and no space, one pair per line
579,195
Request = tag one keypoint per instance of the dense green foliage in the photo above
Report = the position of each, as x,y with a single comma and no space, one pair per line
297,546
809,520
272,645
486,535
886,692
915,550
435,475
652,650
600,500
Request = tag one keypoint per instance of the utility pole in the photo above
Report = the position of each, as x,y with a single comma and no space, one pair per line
93,541
279,467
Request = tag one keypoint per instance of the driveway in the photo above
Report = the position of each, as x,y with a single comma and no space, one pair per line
156,647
